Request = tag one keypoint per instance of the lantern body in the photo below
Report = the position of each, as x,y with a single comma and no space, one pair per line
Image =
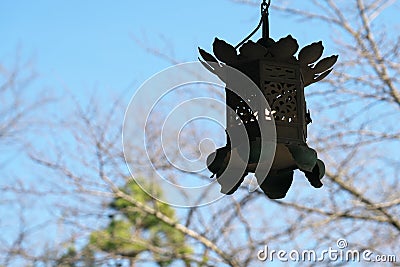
281,84
281,79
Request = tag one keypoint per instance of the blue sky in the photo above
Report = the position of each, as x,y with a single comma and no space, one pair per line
85,44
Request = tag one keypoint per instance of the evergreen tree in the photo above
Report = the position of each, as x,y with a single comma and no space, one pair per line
131,233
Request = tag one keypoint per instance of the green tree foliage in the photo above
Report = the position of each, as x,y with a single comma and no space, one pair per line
132,232
74,258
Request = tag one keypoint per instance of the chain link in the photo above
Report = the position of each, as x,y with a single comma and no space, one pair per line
264,6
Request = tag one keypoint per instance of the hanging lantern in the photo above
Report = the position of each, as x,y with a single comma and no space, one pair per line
281,78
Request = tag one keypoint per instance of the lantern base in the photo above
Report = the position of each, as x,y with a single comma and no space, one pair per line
287,158
276,185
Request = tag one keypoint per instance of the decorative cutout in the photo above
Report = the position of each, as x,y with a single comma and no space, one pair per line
243,114
277,72
281,98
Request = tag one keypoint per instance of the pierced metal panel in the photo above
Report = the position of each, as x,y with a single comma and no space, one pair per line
240,113
243,112
279,85
281,97
278,72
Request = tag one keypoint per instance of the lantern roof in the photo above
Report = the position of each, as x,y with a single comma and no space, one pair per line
284,51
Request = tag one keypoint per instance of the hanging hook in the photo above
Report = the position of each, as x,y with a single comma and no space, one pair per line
264,6
264,17
263,22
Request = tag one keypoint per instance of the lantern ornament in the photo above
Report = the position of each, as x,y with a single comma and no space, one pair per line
281,78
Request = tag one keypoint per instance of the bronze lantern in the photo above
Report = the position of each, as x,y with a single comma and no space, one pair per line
281,78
